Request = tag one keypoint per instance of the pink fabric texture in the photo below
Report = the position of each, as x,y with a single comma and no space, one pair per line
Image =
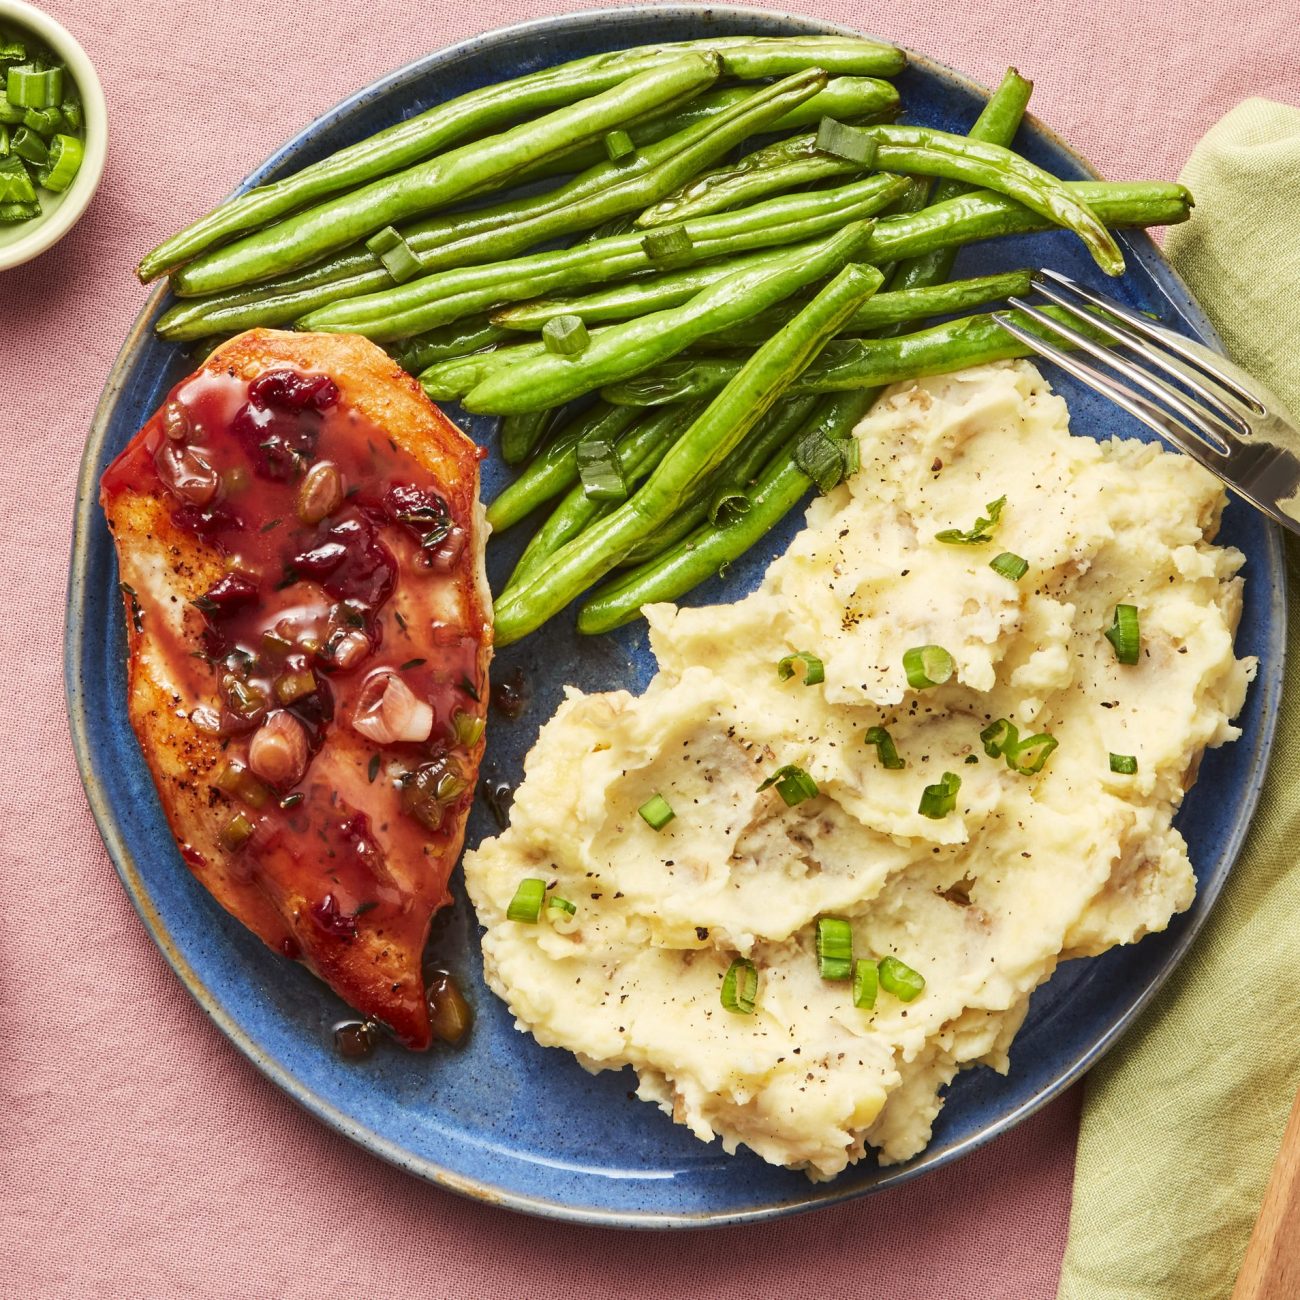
140,1155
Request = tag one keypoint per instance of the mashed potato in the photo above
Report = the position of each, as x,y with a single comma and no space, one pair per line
1025,871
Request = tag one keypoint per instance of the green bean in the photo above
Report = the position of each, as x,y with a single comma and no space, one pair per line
784,483
335,223
448,295
845,98
610,191
698,452
639,453
355,306
713,547
779,168
555,470
520,434
623,350
734,478
850,96
479,111
918,150
422,351
845,363
997,123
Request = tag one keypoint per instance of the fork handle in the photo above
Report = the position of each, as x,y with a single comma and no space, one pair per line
1271,1268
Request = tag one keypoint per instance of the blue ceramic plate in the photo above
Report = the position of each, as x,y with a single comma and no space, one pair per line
497,1120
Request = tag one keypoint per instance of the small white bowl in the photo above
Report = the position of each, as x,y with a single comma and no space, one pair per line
21,242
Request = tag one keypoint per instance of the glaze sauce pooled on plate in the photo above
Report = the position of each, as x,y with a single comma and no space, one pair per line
304,592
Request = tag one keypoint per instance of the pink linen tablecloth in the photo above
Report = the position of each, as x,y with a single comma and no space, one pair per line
140,1155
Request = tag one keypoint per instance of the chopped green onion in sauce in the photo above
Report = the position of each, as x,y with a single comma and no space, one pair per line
885,748
656,812
866,980
526,905
900,979
938,800
740,987
1009,565
793,784
980,532
566,336
1124,764
468,728
396,255
834,948
1125,634
813,669
927,665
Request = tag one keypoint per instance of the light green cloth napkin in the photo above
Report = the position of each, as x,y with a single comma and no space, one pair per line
1182,1121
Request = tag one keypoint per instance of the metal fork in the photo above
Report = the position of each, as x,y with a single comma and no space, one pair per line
1222,418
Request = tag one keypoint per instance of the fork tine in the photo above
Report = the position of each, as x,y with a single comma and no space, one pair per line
1141,408
1198,424
1169,365
1167,338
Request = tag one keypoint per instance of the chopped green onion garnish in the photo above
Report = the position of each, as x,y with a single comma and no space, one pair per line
1009,565
561,905
1000,738
885,748
27,144
1125,635
845,142
656,812
19,211
1124,764
4,141
726,500
1031,753
10,114
667,244
397,256
793,784
566,336
980,532
600,471
294,686
900,979
29,87
827,461
618,144
938,800
813,670
740,987
12,51
72,114
834,948
927,665
236,780
866,979
526,905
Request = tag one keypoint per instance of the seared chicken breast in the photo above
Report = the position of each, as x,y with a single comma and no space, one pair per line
300,545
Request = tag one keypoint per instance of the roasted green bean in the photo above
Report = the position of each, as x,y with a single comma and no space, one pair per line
337,222
457,340
700,450
845,364
545,380
712,547
555,470
486,109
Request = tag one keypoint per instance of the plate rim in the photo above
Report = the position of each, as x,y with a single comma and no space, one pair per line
821,1195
